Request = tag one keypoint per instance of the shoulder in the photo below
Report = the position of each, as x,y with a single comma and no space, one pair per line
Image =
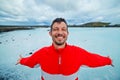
44,49
77,48
74,47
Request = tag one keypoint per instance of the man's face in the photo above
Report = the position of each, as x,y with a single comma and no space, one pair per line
59,33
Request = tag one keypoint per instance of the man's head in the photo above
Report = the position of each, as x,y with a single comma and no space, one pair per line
59,31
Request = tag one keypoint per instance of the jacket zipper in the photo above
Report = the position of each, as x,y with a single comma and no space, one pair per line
59,60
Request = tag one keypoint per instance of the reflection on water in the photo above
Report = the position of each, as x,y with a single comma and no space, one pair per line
104,41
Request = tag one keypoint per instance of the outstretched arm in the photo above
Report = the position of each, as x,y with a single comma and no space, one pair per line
95,60
29,61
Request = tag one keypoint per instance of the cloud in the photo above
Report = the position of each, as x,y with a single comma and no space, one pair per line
43,11
12,7
11,10
58,5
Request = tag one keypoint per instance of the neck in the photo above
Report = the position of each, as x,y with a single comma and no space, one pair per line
59,46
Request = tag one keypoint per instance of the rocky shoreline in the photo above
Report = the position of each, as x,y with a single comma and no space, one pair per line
7,29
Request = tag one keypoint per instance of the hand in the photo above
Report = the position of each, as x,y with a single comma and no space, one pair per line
112,65
18,61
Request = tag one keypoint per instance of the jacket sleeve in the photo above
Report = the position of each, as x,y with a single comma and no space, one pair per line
94,60
31,61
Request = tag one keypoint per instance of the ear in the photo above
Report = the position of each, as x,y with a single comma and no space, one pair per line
68,32
50,33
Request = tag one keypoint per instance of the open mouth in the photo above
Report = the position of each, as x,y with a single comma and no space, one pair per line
59,36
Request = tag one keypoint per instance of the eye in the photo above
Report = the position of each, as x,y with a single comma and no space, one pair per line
64,29
55,29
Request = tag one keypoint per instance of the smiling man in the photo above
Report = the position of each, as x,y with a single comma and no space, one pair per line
59,32
61,61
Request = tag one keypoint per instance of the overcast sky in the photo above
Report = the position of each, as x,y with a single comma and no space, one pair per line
34,12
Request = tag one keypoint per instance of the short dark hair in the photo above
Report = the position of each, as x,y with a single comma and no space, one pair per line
58,20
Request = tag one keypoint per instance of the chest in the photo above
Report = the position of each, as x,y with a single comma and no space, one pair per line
65,62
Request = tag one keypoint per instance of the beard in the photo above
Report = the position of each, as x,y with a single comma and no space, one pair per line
59,43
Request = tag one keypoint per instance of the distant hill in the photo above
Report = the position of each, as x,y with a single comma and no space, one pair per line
96,24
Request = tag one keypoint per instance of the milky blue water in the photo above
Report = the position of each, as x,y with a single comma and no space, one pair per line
103,41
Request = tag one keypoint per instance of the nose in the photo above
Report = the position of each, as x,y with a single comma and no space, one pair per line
60,31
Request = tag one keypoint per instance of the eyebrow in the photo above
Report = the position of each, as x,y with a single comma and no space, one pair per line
62,27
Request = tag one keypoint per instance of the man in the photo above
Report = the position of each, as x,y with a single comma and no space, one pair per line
61,61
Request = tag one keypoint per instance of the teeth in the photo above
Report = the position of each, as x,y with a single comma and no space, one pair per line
60,37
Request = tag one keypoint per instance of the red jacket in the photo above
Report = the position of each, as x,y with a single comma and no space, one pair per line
65,61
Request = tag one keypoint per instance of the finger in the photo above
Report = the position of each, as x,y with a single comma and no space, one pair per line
17,63
20,56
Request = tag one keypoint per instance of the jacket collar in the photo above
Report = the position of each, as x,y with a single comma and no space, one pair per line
61,49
